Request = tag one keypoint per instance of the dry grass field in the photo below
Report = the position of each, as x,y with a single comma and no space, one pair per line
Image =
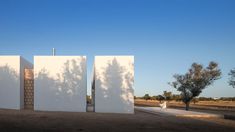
202,103
221,107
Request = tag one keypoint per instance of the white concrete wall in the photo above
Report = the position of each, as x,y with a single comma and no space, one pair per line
60,83
12,81
114,84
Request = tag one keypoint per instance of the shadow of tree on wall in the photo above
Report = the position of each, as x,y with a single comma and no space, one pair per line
63,88
71,79
7,73
116,87
9,84
46,84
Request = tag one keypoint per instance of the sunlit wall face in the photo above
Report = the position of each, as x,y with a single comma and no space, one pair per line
60,83
114,84
12,81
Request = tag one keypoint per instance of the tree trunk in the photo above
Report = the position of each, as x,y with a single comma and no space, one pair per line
187,106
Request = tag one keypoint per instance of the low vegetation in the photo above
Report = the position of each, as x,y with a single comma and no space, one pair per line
232,78
177,98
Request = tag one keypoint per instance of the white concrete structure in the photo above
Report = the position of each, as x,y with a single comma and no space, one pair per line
113,84
12,81
60,83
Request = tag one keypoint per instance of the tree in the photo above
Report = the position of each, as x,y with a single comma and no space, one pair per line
160,98
167,95
195,80
176,97
232,78
146,97
153,98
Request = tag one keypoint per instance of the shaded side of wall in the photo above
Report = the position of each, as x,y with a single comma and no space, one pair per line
28,89
60,83
93,87
24,64
114,84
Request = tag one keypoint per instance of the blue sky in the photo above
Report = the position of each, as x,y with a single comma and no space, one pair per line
165,36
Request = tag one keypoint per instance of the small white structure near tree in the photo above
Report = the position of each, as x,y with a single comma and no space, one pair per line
12,81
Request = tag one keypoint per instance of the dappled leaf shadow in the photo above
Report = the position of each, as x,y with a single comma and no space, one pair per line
71,79
46,89
9,84
116,88
64,90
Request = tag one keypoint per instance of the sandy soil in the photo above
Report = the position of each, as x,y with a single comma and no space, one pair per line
31,121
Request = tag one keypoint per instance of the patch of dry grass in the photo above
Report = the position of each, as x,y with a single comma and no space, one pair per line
205,105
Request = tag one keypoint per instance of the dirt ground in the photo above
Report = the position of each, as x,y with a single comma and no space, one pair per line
31,121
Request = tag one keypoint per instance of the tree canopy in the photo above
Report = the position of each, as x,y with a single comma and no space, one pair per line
146,97
195,80
232,78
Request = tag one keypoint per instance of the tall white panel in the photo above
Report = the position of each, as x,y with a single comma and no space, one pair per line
113,84
60,83
12,81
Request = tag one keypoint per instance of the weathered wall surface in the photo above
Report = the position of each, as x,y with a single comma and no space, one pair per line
113,84
60,83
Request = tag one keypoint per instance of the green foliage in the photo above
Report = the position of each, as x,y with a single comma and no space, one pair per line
146,97
167,95
176,97
205,99
160,98
232,78
227,98
154,98
195,80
